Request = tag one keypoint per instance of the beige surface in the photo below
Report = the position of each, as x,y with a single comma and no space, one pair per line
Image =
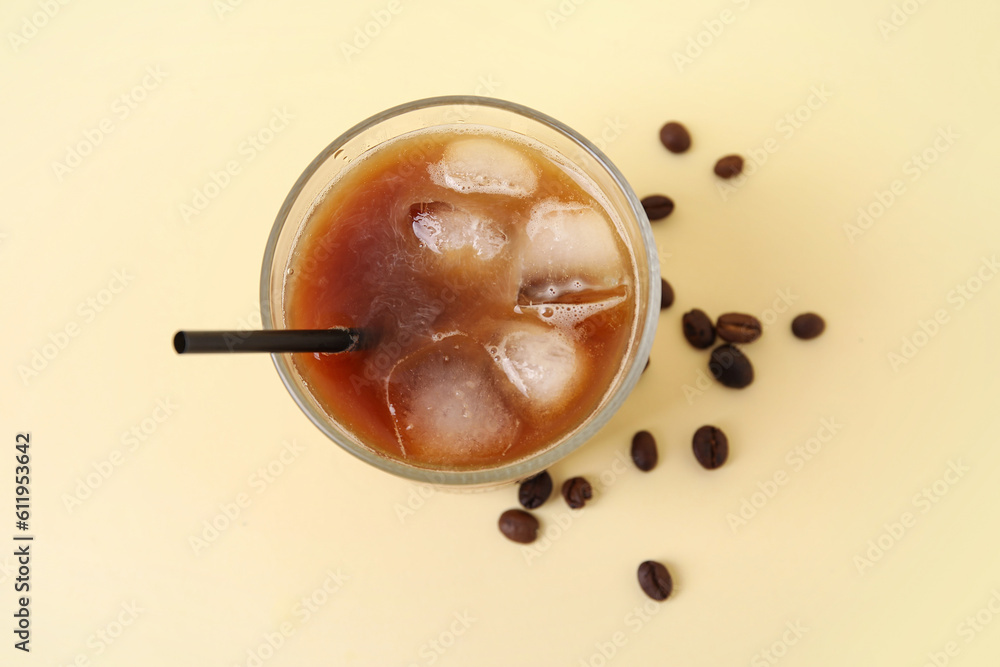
441,572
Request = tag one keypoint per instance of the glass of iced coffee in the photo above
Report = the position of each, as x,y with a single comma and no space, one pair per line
502,270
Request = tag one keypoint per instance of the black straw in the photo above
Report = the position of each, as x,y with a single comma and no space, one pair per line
270,340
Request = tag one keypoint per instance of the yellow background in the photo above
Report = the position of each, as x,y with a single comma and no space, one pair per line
414,577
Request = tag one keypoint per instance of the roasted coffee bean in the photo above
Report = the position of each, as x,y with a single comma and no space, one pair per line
711,447
698,329
808,325
738,328
519,526
729,166
657,207
730,366
644,451
654,580
535,490
577,492
675,137
666,294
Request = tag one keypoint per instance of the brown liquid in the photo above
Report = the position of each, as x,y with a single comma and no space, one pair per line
360,261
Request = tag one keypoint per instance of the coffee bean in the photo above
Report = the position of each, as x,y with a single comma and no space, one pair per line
738,328
519,526
675,137
644,451
535,490
729,166
657,207
666,294
711,447
646,367
730,367
655,580
808,325
577,492
698,329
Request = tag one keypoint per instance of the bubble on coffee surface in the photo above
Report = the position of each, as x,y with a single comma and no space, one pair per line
568,315
447,405
549,291
568,305
484,165
441,335
570,241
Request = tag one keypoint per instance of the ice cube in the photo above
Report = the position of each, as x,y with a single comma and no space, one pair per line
568,241
447,405
540,361
444,228
484,165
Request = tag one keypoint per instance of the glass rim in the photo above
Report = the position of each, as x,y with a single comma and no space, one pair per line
532,463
